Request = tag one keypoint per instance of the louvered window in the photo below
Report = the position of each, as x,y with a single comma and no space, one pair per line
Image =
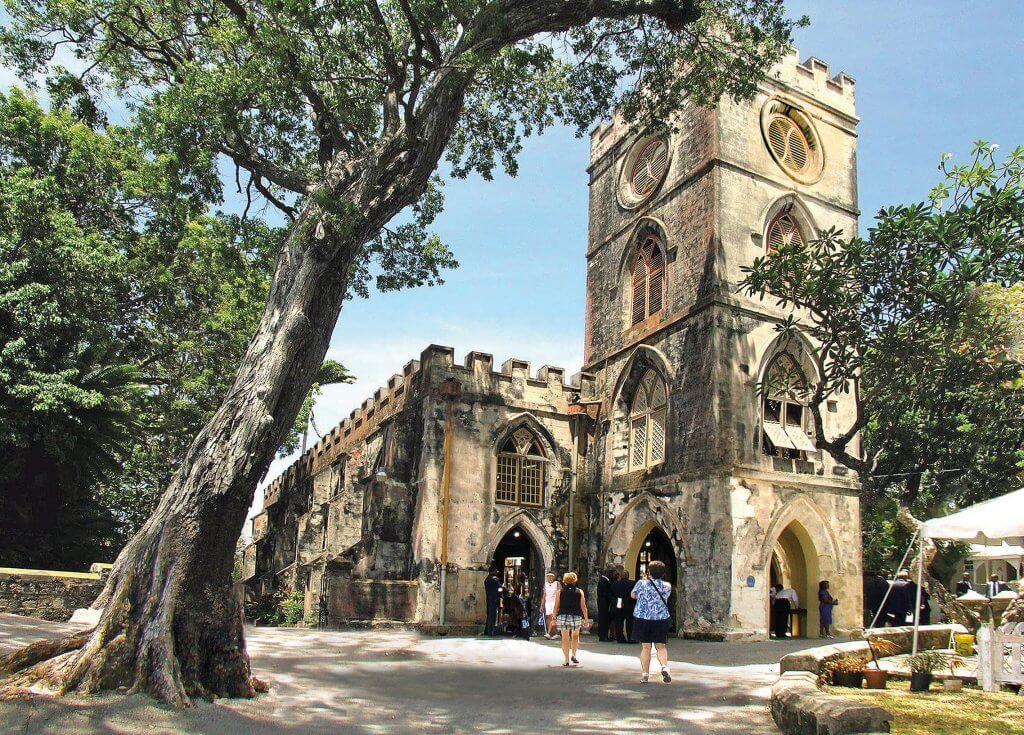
649,167
648,283
786,420
783,230
789,144
520,474
647,423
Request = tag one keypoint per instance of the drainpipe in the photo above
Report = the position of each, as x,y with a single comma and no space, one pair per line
450,392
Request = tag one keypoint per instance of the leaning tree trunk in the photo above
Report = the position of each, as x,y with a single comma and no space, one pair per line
170,625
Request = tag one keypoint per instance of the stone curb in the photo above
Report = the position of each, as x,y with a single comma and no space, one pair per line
800,708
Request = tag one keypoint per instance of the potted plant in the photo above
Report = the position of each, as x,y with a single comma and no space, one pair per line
845,672
877,677
923,666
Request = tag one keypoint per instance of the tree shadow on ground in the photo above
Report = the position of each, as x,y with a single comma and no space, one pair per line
365,682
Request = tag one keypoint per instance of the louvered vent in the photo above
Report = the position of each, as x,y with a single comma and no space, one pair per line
783,231
789,145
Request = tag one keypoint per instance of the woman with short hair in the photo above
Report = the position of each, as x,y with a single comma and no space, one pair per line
651,619
570,616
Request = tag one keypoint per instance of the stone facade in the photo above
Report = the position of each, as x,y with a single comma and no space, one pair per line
709,470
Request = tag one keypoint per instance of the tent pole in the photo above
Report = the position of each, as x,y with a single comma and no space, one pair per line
917,603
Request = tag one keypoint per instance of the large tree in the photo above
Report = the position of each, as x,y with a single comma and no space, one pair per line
922,318
338,113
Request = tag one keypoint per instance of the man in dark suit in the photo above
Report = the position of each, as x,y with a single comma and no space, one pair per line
604,593
621,609
875,587
964,585
899,604
492,588
995,586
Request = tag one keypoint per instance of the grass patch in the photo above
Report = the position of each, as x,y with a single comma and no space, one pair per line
939,713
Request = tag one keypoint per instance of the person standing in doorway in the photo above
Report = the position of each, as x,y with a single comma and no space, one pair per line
492,591
604,594
780,613
570,617
621,610
549,598
652,619
825,604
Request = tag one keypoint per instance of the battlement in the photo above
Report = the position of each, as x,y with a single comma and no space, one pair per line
476,368
813,77
477,365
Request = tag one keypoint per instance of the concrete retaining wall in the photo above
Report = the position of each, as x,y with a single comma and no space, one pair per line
814,659
800,708
49,595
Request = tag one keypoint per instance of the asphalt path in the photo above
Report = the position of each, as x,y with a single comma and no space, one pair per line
395,681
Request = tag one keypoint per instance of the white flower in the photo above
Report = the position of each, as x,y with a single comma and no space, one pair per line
946,156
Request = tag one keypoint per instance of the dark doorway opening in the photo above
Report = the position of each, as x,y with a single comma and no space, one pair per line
521,568
657,547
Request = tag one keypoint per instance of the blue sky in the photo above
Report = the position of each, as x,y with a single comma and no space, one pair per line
931,77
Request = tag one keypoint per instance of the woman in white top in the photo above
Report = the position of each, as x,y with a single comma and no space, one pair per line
547,602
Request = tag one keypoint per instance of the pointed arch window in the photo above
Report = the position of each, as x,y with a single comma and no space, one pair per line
647,422
786,420
520,477
648,279
782,231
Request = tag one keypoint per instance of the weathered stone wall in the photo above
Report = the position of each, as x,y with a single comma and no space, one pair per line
48,595
492,404
356,600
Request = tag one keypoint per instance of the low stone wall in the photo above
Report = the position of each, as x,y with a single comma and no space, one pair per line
815,659
800,708
49,595
353,600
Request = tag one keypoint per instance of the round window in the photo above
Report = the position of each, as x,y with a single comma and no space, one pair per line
649,167
792,141
643,170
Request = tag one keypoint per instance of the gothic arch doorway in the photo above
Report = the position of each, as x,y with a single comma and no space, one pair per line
794,564
651,543
518,561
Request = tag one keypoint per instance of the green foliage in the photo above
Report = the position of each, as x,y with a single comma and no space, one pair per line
283,608
923,315
125,307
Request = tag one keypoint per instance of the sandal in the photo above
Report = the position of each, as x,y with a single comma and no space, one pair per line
573,659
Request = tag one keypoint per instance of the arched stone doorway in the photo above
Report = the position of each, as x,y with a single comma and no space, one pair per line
518,560
652,544
794,563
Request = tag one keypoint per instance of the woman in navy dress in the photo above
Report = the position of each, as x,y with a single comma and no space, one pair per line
825,604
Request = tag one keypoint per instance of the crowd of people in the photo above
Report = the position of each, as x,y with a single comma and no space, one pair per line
897,607
633,612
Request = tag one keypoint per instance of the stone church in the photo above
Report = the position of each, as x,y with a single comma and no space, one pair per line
683,438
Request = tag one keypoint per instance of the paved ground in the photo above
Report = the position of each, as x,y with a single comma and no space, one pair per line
399,682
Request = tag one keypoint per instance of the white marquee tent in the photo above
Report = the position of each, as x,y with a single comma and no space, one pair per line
992,522
996,521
